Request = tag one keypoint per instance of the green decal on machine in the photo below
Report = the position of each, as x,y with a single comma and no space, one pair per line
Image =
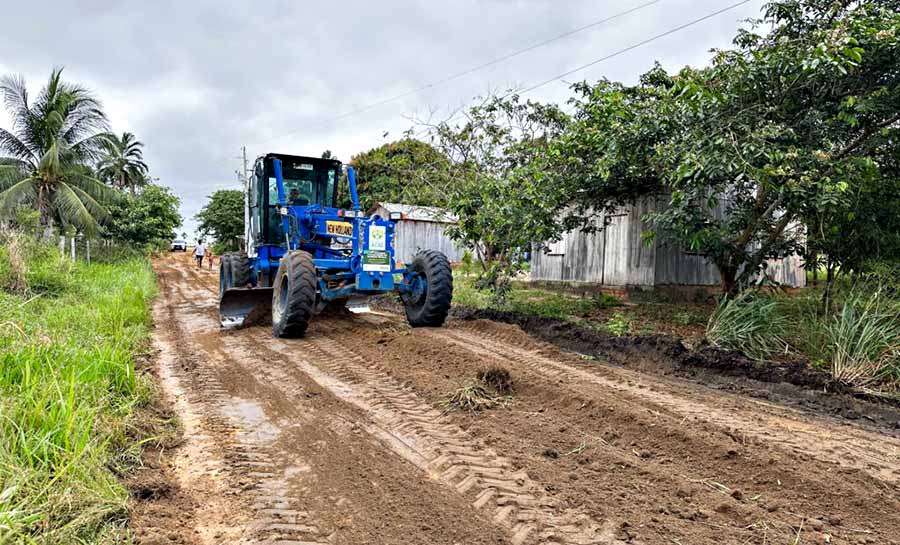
376,261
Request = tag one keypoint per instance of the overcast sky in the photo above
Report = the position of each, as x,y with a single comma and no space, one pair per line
196,80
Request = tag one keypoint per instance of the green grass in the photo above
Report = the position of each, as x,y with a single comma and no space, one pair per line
531,301
751,323
68,390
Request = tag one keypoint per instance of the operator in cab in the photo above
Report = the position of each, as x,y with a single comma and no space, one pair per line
295,199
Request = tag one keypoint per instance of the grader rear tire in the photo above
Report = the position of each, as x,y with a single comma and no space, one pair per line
240,269
224,274
430,308
294,295
234,271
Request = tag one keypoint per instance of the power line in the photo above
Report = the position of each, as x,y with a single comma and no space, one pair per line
476,68
617,53
635,46
560,76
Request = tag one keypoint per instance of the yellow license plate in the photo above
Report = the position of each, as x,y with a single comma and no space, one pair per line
341,228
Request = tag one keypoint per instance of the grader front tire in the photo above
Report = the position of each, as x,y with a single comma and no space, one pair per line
294,295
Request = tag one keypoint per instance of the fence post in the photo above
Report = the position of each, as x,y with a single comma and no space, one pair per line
72,247
87,248
62,244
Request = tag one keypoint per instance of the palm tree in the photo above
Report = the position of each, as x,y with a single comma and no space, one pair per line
123,162
48,150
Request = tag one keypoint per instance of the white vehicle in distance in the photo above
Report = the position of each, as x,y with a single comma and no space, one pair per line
178,245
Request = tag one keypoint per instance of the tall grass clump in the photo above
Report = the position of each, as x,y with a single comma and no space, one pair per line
67,391
749,322
863,340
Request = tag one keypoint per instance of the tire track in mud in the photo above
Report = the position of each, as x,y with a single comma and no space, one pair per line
881,463
333,387
315,476
426,438
232,437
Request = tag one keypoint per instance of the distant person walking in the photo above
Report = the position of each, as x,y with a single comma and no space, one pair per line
199,252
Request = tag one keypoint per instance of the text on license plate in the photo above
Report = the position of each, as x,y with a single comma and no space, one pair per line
341,228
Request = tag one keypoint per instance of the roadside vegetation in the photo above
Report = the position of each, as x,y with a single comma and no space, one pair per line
69,337
598,311
71,331
786,143
854,335
222,219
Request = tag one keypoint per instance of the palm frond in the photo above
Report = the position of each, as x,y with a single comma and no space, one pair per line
97,210
90,148
70,210
15,97
19,193
11,171
94,187
14,146
83,121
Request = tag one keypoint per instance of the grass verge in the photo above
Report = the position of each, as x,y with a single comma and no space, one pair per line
68,392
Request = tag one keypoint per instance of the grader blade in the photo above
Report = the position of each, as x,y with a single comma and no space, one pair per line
241,307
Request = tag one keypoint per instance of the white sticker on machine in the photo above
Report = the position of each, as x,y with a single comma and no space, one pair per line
377,237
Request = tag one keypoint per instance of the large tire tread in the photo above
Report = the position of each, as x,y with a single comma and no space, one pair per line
433,311
225,273
240,269
300,270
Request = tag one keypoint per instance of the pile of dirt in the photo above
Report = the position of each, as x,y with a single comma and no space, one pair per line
791,382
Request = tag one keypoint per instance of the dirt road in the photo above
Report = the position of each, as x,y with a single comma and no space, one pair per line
336,438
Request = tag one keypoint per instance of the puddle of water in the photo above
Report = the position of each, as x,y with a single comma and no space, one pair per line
252,419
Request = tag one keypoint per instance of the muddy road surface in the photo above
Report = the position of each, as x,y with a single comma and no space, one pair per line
340,438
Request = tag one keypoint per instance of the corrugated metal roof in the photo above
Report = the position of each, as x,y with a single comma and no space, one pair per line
415,213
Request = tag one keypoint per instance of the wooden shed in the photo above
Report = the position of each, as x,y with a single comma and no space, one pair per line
618,257
421,227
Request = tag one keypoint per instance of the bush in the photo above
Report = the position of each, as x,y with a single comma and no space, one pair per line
863,340
750,323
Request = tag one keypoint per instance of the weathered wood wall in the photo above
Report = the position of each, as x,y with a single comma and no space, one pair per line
618,256
412,236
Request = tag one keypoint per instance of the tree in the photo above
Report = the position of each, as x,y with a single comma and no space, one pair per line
493,179
223,218
49,148
122,163
752,149
400,171
328,155
150,217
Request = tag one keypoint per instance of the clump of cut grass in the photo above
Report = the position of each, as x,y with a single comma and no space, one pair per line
498,378
750,323
491,389
472,396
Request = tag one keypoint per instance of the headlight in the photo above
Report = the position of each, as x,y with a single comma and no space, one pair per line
396,216
352,214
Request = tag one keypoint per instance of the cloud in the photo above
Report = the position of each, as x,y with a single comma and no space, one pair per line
197,80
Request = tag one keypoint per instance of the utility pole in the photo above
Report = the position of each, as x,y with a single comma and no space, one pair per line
246,170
